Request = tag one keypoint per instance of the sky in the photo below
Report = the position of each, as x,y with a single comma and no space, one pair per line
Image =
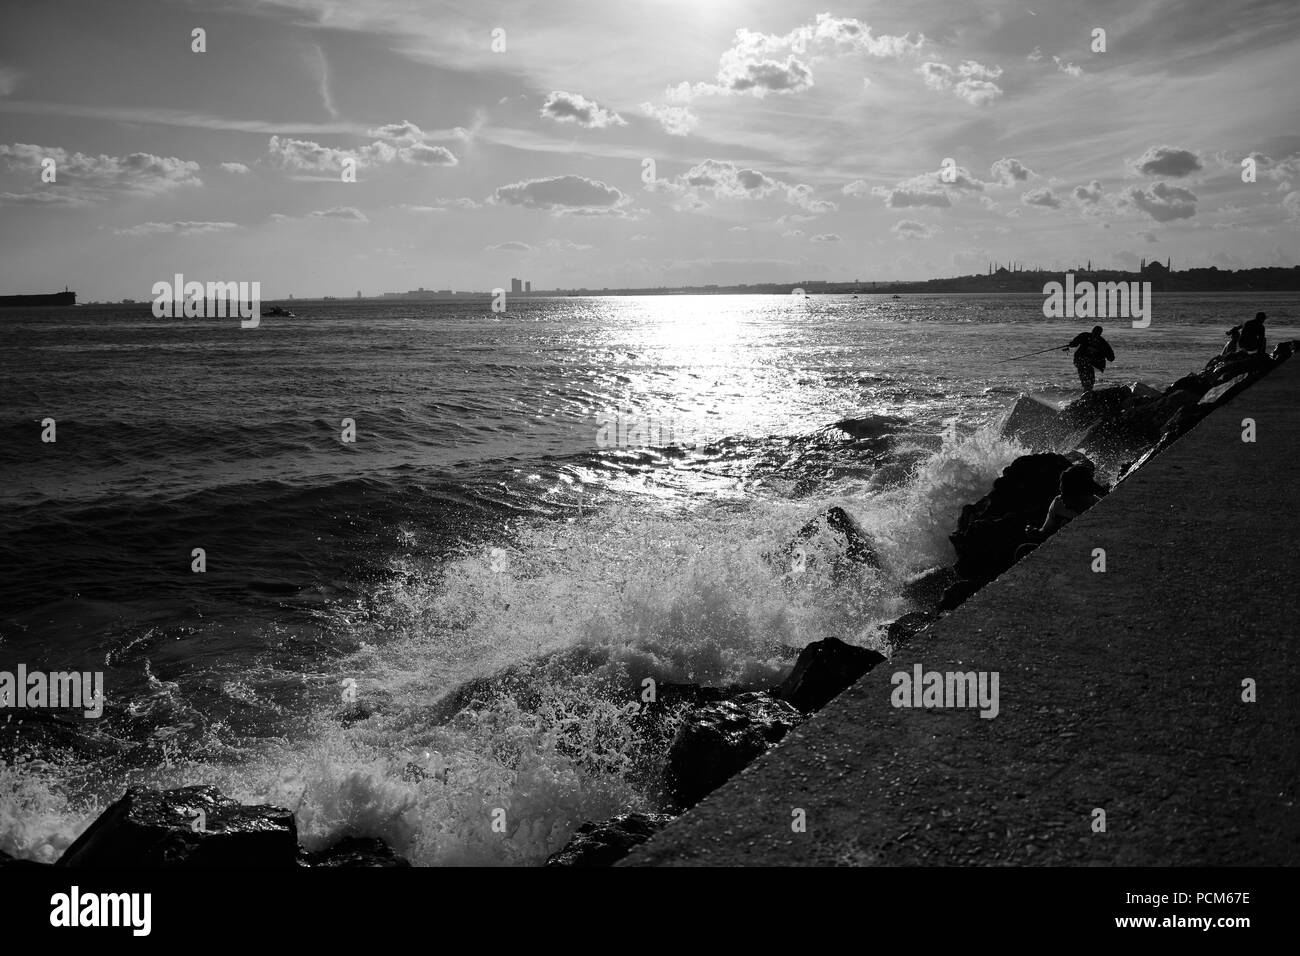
326,147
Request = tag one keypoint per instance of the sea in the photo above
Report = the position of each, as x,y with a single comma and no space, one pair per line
285,547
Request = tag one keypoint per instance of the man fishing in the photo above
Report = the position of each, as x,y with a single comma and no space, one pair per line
1091,352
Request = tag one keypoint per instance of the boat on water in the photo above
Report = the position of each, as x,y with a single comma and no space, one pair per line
63,298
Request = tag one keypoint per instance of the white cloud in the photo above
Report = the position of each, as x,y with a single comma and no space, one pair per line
1042,196
511,246
236,168
825,237
971,81
175,228
911,229
345,213
88,179
563,195
575,108
1167,161
1008,171
1162,202
675,120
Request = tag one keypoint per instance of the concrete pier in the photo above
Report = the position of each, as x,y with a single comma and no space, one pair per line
1119,691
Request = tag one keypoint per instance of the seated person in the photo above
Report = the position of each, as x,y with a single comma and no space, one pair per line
1075,498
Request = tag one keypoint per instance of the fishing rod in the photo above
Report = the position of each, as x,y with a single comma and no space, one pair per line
1055,348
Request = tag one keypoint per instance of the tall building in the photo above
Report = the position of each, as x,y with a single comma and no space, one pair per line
528,287
516,285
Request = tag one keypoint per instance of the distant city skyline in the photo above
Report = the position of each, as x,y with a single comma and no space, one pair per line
326,145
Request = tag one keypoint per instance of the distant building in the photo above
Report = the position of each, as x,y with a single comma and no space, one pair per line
516,285
358,293
528,287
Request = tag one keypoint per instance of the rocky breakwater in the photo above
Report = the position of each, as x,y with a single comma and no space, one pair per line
1115,430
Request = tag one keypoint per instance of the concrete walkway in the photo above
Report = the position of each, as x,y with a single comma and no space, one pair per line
1119,690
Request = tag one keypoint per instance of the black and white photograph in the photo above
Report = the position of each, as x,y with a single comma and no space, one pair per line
462,436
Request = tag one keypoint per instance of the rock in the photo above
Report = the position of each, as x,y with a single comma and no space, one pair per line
1198,383
162,828
873,426
989,531
901,631
957,593
1284,350
1033,422
823,670
927,588
604,844
1104,405
7,860
1221,393
49,733
717,741
354,852
1110,442
854,543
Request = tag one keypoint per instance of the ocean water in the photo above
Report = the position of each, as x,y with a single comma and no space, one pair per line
484,518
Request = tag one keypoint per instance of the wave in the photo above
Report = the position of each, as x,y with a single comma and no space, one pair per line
578,612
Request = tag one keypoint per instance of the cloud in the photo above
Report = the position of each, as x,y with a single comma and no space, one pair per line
675,120
911,229
45,197
1090,193
1043,196
236,168
759,64
92,179
1162,202
928,189
725,180
971,81
1068,68
1147,236
793,234
395,143
563,195
858,188
566,245
1167,161
511,246
404,132
1291,205
426,155
575,108
175,228
345,213
10,77
825,237
1009,171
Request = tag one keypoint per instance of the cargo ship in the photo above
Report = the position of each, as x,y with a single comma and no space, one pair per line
35,301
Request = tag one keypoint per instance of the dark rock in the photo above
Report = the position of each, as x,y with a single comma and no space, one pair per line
1198,384
1110,442
1224,391
854,543
927,588
604,844
957,593
7,860
354,852
989,531
901,631
717,741
161,828
823,670
873,426
1104,405
1284,350
1033,422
